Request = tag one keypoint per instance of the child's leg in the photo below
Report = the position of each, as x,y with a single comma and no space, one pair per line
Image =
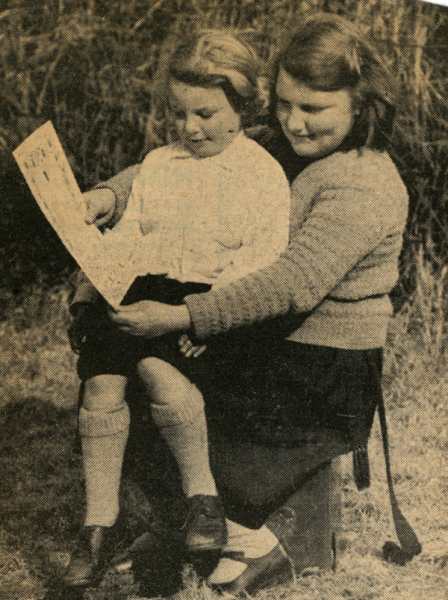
177,407
178,410
104,428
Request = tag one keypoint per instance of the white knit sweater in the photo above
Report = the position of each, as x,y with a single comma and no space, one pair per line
210,220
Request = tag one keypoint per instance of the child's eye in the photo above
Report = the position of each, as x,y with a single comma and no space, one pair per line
283,104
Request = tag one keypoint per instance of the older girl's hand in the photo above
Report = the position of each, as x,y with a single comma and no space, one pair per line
150,319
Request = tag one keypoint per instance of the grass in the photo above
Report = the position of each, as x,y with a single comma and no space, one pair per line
41,497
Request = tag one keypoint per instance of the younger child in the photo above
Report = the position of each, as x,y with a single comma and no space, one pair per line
205,210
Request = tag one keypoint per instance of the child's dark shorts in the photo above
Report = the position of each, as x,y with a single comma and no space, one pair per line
110,351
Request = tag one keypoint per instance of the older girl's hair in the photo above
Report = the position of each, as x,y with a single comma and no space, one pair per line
328,53
219,58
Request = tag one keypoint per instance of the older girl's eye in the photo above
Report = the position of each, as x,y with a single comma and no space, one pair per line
205,114
175,112
312,108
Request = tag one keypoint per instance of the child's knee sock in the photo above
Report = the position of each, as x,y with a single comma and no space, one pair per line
104,436
183,426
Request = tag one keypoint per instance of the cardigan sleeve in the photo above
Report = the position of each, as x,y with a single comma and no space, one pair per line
121,185
81,291
343,226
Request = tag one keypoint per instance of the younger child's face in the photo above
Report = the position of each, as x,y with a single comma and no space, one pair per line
205,121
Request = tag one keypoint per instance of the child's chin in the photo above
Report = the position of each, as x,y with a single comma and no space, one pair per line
206,150
203,151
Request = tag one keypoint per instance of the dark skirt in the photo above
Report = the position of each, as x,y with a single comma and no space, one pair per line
285,413
278,414
276,393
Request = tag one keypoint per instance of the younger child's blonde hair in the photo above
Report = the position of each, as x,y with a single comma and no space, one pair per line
219,58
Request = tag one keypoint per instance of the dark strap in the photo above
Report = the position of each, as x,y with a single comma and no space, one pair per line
410,546
361,469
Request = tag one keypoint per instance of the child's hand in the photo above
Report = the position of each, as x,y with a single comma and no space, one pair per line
188,349
100,206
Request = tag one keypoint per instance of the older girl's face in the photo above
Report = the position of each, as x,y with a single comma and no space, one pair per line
315,122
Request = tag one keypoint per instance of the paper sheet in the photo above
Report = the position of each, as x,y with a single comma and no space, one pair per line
109,265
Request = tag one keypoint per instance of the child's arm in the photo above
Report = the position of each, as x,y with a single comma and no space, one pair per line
125,239
130,222
267,232
128,229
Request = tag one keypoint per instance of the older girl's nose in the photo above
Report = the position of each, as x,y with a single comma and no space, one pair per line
296,120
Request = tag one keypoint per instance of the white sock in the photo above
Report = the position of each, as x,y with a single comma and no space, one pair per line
103,438
252,543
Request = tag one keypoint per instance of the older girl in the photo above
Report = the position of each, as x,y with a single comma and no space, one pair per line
333,104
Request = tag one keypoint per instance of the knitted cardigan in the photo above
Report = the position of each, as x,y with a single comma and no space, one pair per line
342,260
349,211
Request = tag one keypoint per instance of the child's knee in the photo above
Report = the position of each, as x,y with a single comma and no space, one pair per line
158,375
104,393
155,370
152,370
165,384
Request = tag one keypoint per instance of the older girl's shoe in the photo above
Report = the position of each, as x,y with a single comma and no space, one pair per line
258,572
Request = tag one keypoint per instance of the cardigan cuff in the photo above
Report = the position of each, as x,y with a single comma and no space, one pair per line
203,310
